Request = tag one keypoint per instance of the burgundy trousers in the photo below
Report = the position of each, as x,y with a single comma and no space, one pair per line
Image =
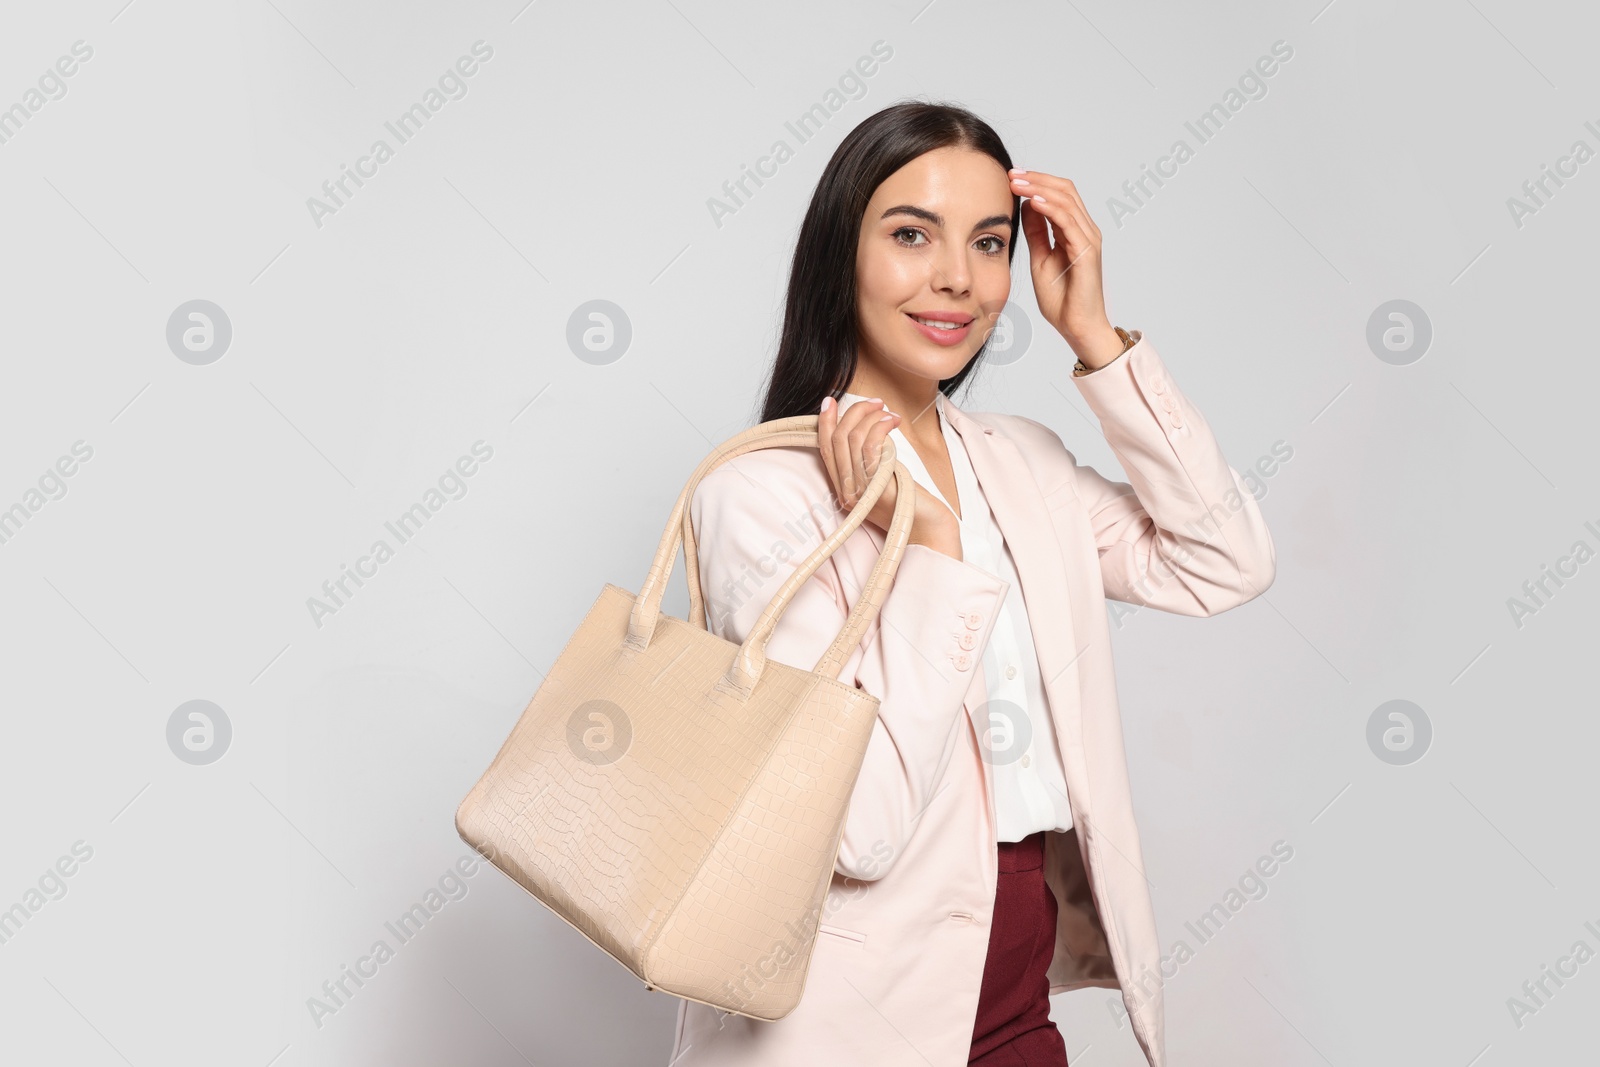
1013,1027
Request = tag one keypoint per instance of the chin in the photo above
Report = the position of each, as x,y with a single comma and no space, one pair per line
937,367
923,358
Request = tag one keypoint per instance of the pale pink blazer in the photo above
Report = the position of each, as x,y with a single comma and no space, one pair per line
897,966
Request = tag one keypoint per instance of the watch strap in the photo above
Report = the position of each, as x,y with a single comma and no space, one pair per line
1127,342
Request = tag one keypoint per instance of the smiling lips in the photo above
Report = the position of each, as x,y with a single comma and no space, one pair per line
942,327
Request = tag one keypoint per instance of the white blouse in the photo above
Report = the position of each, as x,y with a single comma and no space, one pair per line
1030,786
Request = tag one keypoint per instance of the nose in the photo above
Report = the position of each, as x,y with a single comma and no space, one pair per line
952,274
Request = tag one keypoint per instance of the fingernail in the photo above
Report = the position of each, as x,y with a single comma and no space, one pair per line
1040,199
825,402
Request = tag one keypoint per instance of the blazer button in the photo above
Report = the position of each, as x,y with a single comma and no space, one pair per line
969,640
963,662
974,620
1158,385
1177,421
1166,402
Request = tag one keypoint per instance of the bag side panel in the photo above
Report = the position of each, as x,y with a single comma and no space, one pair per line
743,936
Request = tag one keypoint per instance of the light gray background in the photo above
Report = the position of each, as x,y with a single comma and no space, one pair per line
431,311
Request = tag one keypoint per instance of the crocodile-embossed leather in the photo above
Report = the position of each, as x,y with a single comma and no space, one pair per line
674,796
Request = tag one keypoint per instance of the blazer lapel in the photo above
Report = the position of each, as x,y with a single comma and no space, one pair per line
1024,520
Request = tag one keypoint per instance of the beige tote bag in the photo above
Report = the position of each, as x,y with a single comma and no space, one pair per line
678,798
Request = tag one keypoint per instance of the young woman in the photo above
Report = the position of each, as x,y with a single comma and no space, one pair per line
989,856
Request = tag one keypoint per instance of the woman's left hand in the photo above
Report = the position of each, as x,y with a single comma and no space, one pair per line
1066,278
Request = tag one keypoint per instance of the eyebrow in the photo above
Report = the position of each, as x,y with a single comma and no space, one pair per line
938,220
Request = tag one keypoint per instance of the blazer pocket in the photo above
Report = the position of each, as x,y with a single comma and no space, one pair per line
1062,495
839,931
1066,491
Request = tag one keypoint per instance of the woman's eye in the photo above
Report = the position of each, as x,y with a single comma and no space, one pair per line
996,245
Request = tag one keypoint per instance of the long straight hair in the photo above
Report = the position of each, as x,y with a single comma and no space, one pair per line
817,351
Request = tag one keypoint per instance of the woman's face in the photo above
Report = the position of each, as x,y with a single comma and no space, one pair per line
934,244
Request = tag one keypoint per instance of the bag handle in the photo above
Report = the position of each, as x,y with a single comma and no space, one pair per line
874,592
691,558
748,665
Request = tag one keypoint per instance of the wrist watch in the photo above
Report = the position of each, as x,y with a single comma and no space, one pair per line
1127,342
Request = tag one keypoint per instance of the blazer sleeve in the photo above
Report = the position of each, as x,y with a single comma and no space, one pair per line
1184,533
753,531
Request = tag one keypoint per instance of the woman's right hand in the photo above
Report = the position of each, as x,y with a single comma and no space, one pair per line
851,445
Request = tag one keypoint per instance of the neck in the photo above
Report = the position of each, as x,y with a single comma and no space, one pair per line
919,418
